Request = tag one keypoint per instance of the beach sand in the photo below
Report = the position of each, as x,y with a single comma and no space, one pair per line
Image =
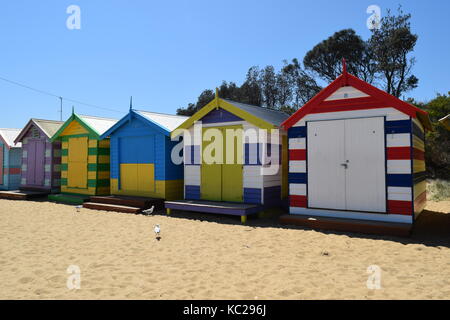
212,257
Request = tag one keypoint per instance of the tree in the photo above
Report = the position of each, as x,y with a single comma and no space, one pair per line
303,86
325,59
230,91
437,142
284,89
188,111
269,88
391,44
250,89
204,98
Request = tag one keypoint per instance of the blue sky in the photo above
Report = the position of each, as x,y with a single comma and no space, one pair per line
164,53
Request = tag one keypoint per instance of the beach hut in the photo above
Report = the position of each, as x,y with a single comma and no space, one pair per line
84,158
141,162
10,159
356,159
41,159
235,159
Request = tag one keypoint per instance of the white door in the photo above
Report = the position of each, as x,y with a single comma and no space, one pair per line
365,185
346,165
326,175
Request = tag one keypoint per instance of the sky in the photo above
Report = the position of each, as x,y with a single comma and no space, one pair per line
165,53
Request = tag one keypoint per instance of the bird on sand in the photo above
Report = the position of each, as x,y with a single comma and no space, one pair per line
78,208
157,230
148,211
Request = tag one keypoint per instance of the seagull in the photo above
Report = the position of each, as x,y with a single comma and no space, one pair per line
148,211
157,230
78,208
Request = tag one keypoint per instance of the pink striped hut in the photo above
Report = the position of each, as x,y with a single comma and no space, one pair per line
41,159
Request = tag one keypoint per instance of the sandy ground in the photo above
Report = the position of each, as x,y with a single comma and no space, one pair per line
212,257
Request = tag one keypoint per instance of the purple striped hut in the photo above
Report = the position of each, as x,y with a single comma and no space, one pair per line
41,159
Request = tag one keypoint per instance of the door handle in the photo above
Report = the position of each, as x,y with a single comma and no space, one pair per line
344,165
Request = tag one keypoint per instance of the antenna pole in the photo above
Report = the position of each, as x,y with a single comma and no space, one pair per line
60,108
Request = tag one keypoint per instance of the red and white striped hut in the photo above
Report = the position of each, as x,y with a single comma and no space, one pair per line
356,159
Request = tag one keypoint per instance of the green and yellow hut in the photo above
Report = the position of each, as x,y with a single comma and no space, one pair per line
84,158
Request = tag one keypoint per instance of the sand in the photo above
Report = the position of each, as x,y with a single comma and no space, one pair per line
212,257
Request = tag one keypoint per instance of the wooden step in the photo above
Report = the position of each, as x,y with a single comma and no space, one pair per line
138,202
111,207
21,195
350,225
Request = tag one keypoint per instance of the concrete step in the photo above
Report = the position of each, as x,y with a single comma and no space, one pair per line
111,207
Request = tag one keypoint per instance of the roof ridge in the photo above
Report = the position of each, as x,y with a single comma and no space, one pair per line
96,117
161,113
38,119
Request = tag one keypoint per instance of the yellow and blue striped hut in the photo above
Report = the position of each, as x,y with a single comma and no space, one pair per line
237,179
141,163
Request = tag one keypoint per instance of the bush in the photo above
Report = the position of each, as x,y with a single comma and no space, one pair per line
438,190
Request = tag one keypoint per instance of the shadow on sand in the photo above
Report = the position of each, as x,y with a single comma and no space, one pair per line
431,228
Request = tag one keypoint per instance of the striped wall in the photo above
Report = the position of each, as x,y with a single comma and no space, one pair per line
11,170
399,170
98,167
52,161
257,188
419,169
192,160
98,162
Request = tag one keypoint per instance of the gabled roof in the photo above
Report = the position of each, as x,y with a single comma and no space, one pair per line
368,97
162,122
261,117
7,136
274,117
95,125
167,121
47,127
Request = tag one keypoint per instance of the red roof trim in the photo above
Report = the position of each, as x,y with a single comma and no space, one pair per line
378,99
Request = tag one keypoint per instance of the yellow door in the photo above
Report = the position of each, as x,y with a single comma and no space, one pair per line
146,177
223,181
137,177
77,171
232,168
211,177
129,176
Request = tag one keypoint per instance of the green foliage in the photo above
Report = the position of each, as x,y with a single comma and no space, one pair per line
203,99
286,89
391,45
325,59
382,59
437,148
438,190
303,85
